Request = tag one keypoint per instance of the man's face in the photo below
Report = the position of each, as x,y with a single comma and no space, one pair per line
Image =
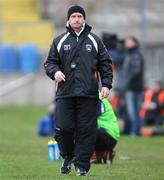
76,21
156,87
129,43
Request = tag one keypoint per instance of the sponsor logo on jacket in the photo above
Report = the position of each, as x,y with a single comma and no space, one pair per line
67,47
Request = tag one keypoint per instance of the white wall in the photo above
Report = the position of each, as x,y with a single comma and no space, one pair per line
39,92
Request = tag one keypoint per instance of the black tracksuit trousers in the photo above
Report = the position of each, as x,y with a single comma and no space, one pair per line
76,128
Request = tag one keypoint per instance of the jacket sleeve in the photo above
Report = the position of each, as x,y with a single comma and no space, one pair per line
104,66
52,62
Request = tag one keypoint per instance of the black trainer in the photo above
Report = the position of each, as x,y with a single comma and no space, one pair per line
66,166
81,171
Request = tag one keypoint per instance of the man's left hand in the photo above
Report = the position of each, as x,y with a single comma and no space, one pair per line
104,92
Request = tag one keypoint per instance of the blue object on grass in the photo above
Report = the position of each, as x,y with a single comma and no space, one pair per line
46,126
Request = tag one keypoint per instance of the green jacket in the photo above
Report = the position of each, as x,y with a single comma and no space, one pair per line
108,120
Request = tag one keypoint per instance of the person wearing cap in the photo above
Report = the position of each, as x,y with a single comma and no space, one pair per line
74,61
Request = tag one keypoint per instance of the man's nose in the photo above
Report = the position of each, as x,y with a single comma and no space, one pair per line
76,18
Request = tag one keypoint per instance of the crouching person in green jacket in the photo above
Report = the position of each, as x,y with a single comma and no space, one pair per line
107,133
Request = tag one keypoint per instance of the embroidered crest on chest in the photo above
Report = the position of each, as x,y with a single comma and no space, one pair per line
88,47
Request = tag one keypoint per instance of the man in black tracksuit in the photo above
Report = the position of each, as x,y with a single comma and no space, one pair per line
73,60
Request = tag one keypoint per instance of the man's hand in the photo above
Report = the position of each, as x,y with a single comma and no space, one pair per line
104,92
59,76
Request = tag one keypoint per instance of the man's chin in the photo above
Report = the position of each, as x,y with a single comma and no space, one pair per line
77,28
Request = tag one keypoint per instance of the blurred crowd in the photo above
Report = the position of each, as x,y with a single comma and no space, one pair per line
139,108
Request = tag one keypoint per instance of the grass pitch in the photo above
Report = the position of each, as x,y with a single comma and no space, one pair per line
23,155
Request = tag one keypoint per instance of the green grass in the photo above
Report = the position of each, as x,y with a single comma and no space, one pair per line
23,155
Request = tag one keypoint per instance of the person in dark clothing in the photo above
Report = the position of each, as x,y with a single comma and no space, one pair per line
158,102
117,55
74,59
116,51
154,109
133,68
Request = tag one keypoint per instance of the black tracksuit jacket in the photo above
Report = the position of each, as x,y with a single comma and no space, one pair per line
79,57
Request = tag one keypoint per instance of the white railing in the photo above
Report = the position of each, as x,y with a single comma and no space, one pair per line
16,84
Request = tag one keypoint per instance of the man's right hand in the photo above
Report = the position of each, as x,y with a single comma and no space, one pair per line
59,76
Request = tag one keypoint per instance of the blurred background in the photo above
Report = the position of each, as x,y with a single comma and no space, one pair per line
27,28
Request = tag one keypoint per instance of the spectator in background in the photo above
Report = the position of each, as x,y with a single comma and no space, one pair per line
154,105
73,61
47,123
116,51
145,113
133,68
118,63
